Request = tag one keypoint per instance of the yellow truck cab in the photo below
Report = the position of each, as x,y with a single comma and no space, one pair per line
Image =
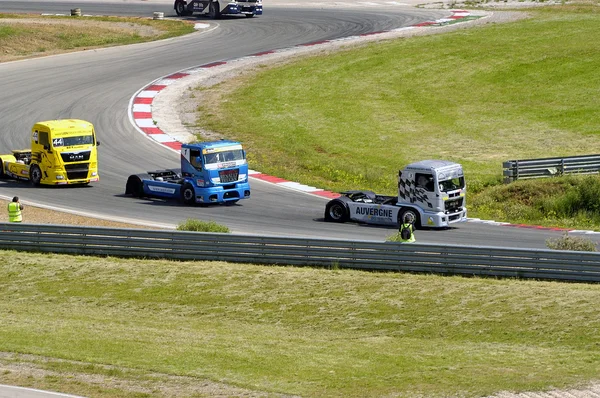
62,152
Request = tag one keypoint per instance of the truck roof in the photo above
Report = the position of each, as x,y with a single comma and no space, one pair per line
432,164
210,144
64,124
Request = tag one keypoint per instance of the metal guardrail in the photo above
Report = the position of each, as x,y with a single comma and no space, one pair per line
549,167
363,255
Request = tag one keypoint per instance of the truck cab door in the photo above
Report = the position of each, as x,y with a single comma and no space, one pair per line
40,145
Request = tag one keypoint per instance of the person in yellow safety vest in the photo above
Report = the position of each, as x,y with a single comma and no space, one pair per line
408,227
14,210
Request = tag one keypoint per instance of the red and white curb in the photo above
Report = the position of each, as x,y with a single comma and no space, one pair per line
140,107
141,111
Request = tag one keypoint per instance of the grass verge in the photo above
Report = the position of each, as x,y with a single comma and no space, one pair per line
25,36
108,327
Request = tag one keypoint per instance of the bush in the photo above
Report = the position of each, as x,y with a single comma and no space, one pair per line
575,243
582,197
569,201
201,226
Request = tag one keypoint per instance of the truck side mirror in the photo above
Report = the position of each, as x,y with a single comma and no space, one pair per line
97,143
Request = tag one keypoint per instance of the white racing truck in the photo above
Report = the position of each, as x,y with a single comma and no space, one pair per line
215,8
432,191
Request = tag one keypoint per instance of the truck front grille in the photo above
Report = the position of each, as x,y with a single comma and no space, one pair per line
81,156
229,175
454,205
77,171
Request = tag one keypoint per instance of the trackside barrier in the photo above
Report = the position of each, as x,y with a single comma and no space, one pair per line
550,167
363,255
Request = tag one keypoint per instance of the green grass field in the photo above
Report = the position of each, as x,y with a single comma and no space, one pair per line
479,96
108,327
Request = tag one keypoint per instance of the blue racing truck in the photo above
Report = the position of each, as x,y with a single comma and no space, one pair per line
211,172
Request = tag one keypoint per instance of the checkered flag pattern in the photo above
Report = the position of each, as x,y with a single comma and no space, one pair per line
409,192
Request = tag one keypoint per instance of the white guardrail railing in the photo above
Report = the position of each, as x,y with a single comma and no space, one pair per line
549,167
327,253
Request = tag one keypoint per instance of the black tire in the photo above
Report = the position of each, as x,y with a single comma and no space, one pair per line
2,169
180,9
35,175
336,211
135,187
214,10
415,214
188,194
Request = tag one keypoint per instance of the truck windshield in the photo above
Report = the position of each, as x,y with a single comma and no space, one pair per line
225,156
70,141
452,184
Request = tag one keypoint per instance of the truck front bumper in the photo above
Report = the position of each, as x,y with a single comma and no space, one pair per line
240,8
442,220
221,194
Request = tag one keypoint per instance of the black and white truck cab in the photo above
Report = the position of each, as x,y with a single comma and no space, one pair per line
432,191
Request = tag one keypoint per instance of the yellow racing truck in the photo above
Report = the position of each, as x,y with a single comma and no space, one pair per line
62,152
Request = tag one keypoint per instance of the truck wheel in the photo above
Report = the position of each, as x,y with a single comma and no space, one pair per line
35,175
180,9
2,169
214,10
336,212
134,187
188,194
415,217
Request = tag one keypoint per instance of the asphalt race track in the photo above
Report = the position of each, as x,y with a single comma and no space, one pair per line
97,86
